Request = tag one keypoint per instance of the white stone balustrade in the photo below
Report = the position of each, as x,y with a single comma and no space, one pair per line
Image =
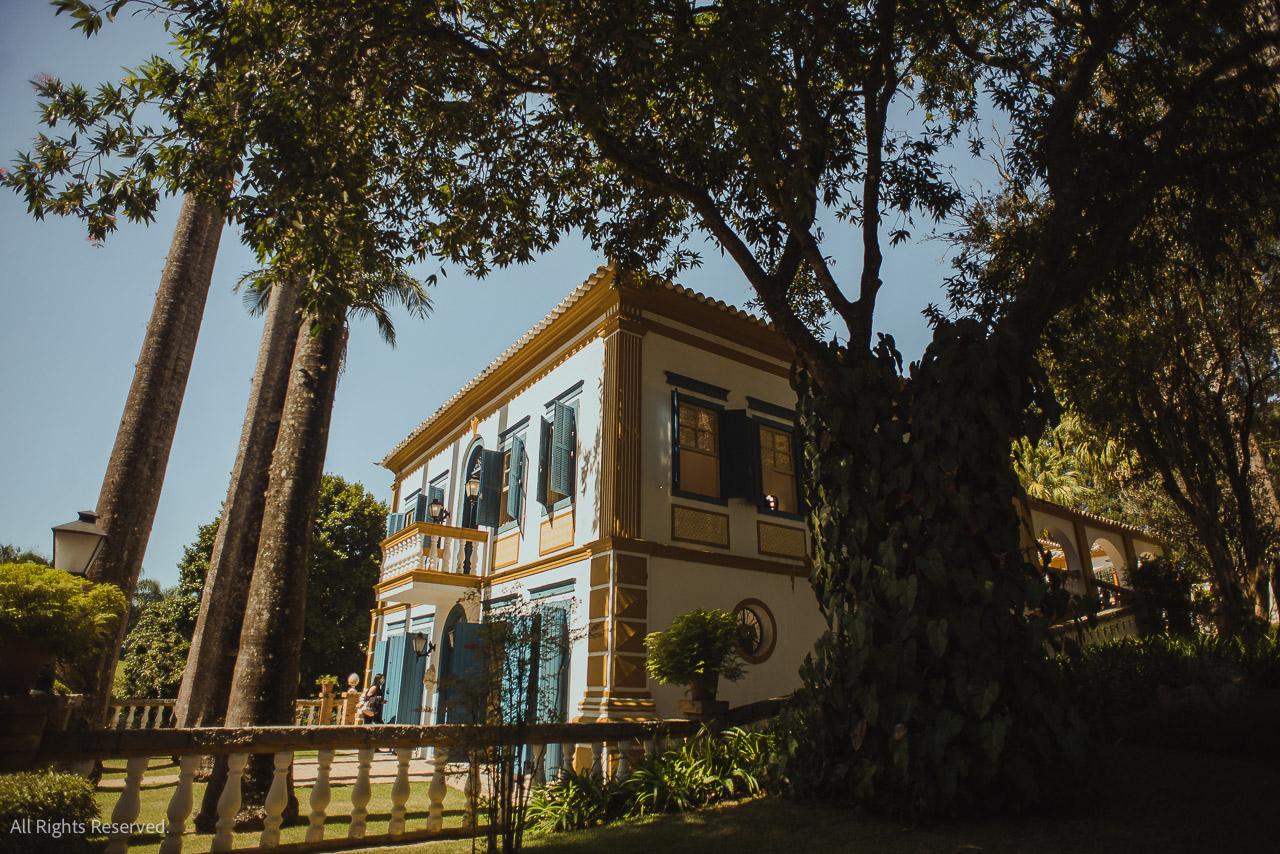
428,547
610,749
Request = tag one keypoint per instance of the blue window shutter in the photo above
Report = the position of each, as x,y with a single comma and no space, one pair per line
420,509
553,674
410,700
490,488
737,466
466,669
544,461
379,659
392,678
797,463
515,478
391,524
564,445
435,493
675,440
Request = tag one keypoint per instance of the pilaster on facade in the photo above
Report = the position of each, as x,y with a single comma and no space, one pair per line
618,612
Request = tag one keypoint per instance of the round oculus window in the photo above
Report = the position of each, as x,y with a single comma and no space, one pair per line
756,630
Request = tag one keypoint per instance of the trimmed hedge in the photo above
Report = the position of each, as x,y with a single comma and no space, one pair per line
44,813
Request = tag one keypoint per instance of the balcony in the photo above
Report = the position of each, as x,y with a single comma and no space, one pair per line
427,564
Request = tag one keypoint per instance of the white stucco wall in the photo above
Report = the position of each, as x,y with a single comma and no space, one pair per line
676,587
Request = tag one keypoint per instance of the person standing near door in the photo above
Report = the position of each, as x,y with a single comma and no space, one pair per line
371,703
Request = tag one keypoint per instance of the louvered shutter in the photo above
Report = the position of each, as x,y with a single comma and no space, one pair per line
544,461
737,463
675,440
515,479
467,675
490,488
434,493
420,509
564,445
393,678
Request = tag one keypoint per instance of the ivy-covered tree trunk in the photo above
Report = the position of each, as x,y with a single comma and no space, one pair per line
135,472
931,689
264,687
206,683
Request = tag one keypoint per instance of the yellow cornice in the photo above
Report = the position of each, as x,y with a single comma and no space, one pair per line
600,309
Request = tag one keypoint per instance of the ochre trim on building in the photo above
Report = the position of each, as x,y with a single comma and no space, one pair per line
619,482
506,550
534,567
656,549
686,522
556,532
768,534
659,328
596,309
427,576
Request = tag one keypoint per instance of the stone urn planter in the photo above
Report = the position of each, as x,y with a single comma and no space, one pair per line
703,688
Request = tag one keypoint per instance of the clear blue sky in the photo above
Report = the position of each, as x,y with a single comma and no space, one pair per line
74,317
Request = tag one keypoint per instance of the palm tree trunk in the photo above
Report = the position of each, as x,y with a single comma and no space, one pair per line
264,686
135,472
206,683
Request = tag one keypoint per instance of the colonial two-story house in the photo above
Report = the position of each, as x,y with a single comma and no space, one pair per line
629,459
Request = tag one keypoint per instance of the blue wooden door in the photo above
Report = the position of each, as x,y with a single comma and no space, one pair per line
394,678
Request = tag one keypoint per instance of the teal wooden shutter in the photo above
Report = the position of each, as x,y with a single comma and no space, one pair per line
435,493
410,695
420,509
797,463
392,524
466,669
515,478
564,444
553,675
675,440
379,659
544,461
737,467
394,677
490,488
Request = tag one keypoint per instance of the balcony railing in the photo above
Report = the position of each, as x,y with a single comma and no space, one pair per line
426,546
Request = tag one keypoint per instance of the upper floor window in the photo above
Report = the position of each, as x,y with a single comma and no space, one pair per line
777,470
698,460
501,476
557,458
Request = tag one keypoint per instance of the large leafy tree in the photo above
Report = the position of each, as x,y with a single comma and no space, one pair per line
490,129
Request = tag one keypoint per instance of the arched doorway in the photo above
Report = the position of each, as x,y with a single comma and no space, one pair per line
459,648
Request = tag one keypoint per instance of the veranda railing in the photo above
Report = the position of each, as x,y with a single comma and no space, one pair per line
605,748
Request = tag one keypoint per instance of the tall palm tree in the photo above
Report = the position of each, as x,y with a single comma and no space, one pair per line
263,687
206,682
135,473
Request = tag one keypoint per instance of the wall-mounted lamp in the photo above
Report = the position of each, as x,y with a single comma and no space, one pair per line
437,512
422,646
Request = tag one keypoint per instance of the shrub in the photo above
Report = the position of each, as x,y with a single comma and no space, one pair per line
50,606
703,771
700,643
65,799
1117,678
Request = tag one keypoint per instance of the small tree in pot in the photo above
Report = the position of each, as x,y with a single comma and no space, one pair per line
699,648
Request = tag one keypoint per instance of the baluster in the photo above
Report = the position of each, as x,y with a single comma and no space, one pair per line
180,805
229,803
400,791
472,792
650,748
128,724
436,791
539,765
360,795
276,800
597,766
624,759
320,795
115,717
566,757
129,805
